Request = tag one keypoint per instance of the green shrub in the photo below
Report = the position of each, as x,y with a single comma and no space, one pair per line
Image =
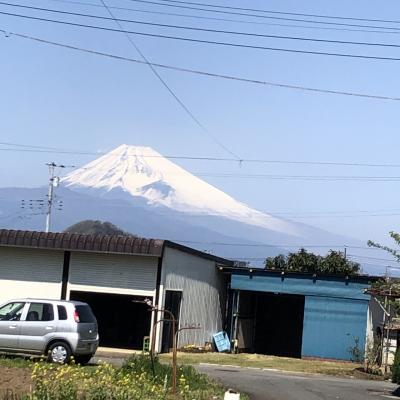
140,363
396,367
187,376
356,353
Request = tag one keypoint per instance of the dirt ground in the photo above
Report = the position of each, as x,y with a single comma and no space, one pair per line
17,380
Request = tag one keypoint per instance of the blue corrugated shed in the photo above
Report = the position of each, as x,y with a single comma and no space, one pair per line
335,308
331,325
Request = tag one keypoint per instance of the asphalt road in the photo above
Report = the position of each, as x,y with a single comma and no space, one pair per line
274,385
278,385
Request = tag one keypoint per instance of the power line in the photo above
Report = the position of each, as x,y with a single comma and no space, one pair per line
13,215
240,21
333,213
284,12
261,16
314,214
164,83
323,178
203,41
208,30
372,258
337,216
29,146
199,158
304,177
205,73
286,214
316,246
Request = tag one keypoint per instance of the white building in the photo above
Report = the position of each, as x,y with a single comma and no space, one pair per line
114,274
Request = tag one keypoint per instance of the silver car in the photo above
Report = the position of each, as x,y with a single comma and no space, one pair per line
56,329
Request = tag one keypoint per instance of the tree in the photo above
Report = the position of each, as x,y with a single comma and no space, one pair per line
278,262
395,253
303,261
396,367
336,263
92,227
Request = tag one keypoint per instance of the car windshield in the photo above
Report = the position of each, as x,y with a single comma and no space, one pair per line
11,312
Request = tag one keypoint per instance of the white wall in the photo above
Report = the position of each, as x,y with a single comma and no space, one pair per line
30,273
201,285
375,317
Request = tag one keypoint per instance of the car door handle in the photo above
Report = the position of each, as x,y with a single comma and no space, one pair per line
49,328
13,326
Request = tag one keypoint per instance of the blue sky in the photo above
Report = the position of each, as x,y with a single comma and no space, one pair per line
60,98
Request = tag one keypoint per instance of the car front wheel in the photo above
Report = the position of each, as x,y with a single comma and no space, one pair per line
59,352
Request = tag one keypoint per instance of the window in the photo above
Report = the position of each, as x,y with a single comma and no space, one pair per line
11,312
40,312
84,314
62,313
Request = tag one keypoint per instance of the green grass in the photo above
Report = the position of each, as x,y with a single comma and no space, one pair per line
9,361
335,368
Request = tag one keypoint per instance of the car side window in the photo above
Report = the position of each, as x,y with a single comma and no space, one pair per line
40,312
11,311
62,313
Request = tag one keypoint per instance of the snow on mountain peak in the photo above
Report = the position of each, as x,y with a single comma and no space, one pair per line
143,172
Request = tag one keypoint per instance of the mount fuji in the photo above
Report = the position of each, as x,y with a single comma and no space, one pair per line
144,193
141,172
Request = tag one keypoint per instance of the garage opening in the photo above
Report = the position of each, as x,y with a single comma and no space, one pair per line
122,322
270,323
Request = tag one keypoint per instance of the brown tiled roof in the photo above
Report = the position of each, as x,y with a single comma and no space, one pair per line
80,242
97,243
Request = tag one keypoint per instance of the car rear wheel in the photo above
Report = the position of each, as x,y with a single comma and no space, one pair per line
59,352
82,359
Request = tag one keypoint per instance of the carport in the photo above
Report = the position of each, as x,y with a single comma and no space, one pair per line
297,315
123,321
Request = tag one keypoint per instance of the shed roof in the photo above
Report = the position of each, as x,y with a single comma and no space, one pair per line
252,271
131,245
75,241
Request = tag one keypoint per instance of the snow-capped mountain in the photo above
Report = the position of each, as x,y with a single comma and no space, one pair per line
142,172
146,194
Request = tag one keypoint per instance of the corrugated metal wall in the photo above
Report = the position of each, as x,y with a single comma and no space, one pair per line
202,300
335,310
113,271
30,273
331,326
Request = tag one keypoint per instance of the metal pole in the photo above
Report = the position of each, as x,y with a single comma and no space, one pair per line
235,335
388,329
174,350
152,344
50,196
174,355
152,347
182,329
387,332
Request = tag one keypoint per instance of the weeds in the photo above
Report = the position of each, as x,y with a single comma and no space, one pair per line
134,381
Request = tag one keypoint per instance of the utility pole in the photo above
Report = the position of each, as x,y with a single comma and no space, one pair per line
53,182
